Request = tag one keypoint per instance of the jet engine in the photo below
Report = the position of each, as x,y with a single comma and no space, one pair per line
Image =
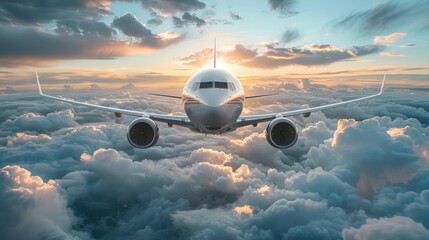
281,133
143,133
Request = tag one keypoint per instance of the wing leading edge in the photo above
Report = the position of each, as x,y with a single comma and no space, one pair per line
173,119
253,119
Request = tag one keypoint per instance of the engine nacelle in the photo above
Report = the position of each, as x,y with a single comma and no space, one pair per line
281,133
143,133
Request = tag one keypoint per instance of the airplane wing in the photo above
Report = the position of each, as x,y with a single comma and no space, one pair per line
172,119
263,95
254,119
164,95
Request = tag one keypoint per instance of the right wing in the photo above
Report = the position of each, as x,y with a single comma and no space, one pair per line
262,95
254,119
172,119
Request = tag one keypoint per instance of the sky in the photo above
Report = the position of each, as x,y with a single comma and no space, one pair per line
356,172
116,41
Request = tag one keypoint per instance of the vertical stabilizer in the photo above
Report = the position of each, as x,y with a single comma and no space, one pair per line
214,54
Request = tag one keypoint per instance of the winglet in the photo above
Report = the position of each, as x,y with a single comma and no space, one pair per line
38,84
382,85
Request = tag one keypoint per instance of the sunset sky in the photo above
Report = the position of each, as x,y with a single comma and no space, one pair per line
359,171
128,41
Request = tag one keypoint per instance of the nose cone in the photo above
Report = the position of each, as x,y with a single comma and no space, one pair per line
213,98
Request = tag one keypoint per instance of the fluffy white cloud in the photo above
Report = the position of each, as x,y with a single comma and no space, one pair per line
33,209
388,228
343,178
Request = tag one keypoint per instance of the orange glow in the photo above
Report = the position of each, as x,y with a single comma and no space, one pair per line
245,209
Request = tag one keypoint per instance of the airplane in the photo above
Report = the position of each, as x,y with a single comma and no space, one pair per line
213,101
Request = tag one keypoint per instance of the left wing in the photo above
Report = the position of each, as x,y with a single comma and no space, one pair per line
254,119
164,95
172,119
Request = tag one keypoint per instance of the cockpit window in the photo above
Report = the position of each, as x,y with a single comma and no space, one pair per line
206,85
231,86
221,85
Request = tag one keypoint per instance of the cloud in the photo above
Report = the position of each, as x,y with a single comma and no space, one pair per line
168,7
284,7
39,211
94,86
87,182
408,45
384,16
128,86
90,28
33,12
22,138
390,54
154,22
35,122
385,228
240,53
83,40
389,38
131,26
275,57
246,209
46,48
290,35
188,19
235,17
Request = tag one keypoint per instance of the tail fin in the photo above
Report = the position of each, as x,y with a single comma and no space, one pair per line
214,54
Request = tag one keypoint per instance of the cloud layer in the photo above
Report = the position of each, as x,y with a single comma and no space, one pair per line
356,172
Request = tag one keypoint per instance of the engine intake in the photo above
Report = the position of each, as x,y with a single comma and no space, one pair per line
143,133
281,133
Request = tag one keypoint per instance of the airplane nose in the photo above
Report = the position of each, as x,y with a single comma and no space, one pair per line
213,99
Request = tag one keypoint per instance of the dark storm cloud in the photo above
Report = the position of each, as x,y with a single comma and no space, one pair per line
285,7
290,35
188,19
384,16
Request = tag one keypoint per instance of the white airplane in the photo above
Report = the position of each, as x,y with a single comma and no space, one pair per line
213,100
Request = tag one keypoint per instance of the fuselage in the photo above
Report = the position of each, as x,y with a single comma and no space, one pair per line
213,100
